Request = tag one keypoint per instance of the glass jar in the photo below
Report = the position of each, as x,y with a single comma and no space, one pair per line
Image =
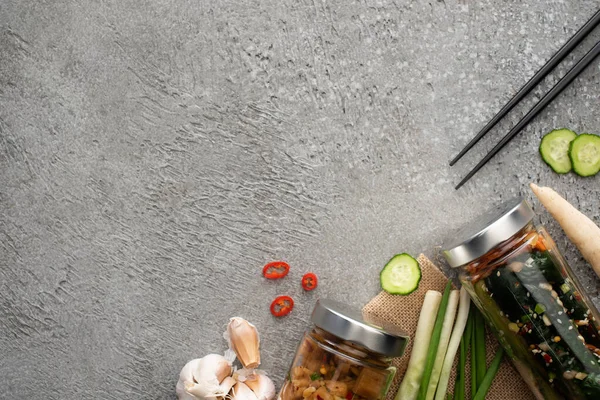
532,300
342,357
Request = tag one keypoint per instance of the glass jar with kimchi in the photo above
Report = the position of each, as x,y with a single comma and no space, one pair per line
342,358
532,300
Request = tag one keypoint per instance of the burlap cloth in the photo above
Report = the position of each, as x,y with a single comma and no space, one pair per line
403,311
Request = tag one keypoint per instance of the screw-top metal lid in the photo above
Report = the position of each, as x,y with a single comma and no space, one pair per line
488,231
348,324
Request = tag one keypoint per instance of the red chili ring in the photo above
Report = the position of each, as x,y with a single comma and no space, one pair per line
309,281
276,270
282,305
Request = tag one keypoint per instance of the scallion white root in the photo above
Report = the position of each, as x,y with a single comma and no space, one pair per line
409,388
443,346
457,332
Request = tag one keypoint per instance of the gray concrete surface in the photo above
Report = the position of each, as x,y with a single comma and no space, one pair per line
154,155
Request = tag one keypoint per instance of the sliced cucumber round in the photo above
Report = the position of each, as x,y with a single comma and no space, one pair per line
554,149
585,154
401,275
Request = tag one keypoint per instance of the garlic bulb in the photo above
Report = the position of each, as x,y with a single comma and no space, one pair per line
262,386
213,377
243,339
241,391
201,378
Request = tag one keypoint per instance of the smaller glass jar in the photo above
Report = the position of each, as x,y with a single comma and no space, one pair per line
343,357
533,302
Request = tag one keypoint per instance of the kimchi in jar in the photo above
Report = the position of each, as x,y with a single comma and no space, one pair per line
533,302
342,357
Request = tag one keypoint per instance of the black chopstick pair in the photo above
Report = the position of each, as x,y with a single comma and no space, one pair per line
547,99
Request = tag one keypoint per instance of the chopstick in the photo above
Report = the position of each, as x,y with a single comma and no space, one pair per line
552,62
559,87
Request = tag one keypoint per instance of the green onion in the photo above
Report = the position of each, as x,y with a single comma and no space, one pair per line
409,388
465,341
459,386
489,376
443,346
480,358
435,340
469,329
463,360
457,334
473,351
456,394
315,376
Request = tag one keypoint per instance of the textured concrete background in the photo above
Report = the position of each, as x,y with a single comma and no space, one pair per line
154,155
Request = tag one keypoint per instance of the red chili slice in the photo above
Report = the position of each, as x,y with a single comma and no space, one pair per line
309,281
282,305
547,358
276,270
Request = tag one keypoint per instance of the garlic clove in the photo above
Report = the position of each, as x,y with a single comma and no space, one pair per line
245,373
187,372
212,365
241,391
202,391
227,384
182,393
244,340
201,378
262,386
185,377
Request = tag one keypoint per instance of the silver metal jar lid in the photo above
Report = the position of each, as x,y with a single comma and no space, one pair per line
348,324
488,231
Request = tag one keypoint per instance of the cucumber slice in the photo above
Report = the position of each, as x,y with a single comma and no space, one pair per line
554,149
585,154
401,275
